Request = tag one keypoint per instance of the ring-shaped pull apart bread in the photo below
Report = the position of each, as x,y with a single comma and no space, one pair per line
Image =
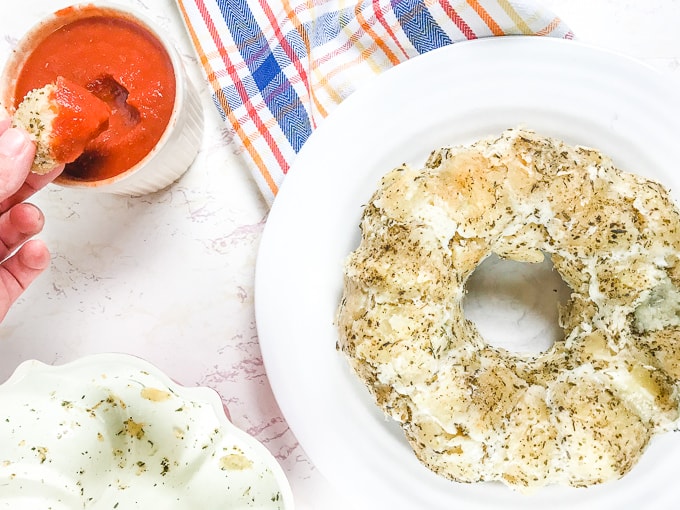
581,412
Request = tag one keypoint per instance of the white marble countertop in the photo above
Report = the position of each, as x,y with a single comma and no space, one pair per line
169,276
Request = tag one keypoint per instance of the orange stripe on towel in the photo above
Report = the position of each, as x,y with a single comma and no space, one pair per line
486,18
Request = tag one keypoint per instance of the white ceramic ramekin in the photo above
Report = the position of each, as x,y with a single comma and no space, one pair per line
177,148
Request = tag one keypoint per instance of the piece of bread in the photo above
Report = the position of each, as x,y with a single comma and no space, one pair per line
61,118
579,413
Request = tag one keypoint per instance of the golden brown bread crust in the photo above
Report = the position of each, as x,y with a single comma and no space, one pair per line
36,114
578,414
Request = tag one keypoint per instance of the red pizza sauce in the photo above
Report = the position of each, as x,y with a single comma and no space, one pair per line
123,64
81,117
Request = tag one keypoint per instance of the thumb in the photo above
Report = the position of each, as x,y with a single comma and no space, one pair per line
16,156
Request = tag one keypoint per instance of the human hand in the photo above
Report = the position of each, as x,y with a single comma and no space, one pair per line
22,259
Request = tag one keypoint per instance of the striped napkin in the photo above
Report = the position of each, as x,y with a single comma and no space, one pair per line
277,68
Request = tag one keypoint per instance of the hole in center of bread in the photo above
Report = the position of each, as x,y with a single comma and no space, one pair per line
515,304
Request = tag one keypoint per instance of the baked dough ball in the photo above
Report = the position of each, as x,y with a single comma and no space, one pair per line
61,118
579,413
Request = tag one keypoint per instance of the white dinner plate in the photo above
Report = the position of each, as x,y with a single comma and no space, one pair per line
452,95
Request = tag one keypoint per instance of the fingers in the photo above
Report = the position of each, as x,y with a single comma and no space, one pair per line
17,183
18,225
19,271
16,156
19,221
33,183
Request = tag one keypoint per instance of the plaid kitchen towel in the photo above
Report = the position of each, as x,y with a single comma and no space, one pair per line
278,67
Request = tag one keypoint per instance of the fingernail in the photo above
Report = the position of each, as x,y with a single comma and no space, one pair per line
13,142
